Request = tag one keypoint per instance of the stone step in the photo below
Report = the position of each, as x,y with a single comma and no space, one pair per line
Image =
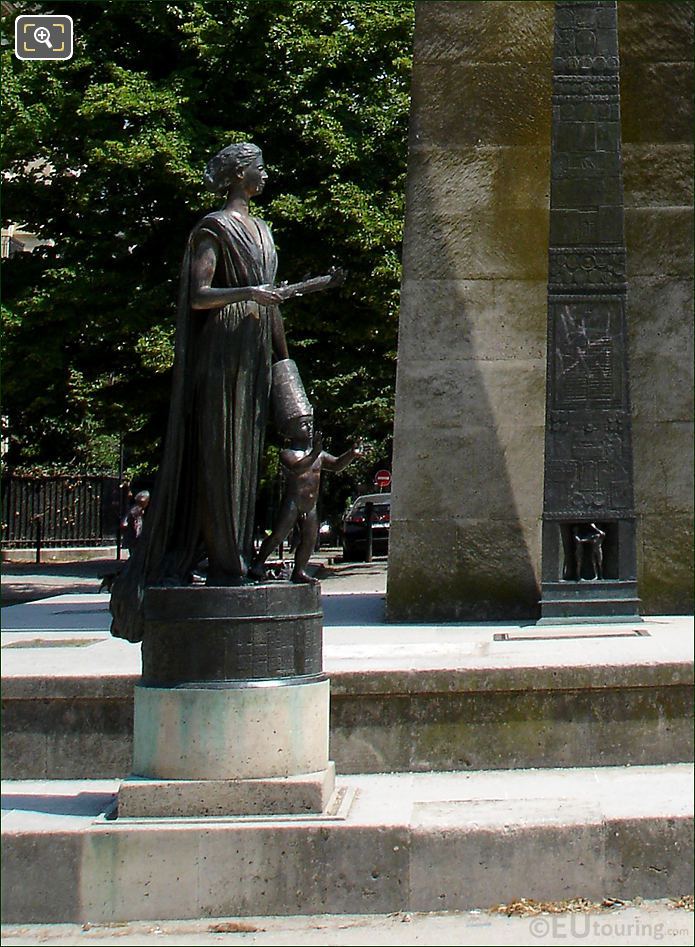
393,842
403,698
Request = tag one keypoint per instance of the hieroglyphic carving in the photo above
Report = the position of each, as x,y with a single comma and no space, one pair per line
588,472
596,165
586,367
588,453
585,84
585,39
586,268
577,63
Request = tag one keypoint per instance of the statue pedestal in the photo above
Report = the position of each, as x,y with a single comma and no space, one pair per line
601,600
231,716
202,798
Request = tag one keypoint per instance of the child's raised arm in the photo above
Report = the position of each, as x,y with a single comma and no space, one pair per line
336,464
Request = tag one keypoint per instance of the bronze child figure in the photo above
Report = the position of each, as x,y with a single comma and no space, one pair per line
302,462
588,537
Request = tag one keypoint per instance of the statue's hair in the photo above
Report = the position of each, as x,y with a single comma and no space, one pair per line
221,170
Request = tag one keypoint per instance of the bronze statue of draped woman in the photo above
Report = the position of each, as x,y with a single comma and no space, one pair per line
228,332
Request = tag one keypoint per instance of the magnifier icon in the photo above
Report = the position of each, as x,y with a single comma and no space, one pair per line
43,35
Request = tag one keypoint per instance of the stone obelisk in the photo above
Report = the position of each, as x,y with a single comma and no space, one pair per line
589,546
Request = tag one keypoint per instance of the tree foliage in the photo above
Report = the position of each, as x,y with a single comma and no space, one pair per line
103,155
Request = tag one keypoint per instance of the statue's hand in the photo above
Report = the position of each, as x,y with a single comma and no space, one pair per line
358,449
265,296
317,443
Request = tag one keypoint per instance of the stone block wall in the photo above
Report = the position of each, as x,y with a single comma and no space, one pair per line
470,396
468,440
656,46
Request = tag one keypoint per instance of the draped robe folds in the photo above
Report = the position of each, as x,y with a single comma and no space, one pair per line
205,491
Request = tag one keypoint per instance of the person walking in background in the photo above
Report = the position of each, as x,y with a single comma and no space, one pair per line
132,524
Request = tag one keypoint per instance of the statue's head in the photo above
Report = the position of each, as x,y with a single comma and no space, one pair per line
299,428
222,170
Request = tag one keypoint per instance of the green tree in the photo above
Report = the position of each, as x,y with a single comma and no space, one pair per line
103,156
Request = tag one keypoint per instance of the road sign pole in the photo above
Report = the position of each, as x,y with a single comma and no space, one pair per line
369,520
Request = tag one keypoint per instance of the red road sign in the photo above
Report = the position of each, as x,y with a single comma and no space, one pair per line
382,479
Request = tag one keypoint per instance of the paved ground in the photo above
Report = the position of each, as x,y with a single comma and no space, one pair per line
68,636
29,582
654,922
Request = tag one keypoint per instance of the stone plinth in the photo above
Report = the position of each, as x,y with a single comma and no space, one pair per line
468,437
566,603
231,730
231,715
195,798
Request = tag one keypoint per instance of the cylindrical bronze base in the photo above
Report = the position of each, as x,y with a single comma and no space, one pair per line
242,633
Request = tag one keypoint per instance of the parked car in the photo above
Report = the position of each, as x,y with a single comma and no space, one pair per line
354,527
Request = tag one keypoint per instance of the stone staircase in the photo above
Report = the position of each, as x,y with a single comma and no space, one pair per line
476,764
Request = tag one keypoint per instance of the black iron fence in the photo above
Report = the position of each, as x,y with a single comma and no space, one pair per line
80,510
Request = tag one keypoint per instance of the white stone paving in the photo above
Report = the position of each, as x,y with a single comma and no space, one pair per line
568,794
32,632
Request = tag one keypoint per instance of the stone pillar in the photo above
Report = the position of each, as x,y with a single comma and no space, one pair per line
468,438
231,715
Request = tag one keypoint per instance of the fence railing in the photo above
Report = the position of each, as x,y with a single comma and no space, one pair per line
80,510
